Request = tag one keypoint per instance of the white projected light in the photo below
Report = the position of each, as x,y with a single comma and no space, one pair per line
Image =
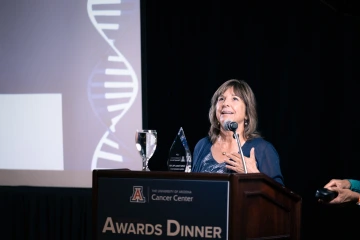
37,120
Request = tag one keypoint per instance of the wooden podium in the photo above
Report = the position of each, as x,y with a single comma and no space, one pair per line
248,206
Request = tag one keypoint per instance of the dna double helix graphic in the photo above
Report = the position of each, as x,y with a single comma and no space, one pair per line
113,84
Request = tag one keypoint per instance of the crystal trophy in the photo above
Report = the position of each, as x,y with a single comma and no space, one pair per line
179,155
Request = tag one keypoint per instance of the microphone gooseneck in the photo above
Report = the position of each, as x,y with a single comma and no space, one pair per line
232,126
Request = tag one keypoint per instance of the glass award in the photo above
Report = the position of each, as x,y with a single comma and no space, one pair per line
179,155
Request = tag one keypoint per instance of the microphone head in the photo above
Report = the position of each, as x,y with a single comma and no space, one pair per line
230,126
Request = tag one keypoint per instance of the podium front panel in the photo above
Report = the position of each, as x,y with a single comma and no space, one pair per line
156,207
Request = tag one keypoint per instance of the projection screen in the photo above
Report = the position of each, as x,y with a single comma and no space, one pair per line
70,90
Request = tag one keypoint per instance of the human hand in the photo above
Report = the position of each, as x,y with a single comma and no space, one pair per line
234,162
339,183
344,195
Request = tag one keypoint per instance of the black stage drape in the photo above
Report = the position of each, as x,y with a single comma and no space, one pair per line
45,213
300,57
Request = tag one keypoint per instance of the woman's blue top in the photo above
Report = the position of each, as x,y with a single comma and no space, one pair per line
267,158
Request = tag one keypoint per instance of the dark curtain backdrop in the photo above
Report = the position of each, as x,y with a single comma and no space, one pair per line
30,213
302,60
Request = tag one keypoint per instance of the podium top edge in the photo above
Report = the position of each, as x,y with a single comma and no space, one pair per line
126,173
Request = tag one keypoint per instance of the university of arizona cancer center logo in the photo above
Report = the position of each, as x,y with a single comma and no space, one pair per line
137,196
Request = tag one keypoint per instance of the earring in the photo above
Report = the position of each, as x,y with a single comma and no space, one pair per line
246,122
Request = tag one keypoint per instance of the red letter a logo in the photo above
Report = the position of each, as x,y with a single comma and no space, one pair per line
137,195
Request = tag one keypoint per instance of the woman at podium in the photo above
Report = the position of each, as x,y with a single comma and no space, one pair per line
233,144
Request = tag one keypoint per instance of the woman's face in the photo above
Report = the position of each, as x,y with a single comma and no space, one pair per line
230,107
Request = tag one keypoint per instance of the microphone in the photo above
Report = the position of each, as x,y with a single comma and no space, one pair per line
232,126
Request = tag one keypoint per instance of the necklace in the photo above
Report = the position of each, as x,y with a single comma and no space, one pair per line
220,142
